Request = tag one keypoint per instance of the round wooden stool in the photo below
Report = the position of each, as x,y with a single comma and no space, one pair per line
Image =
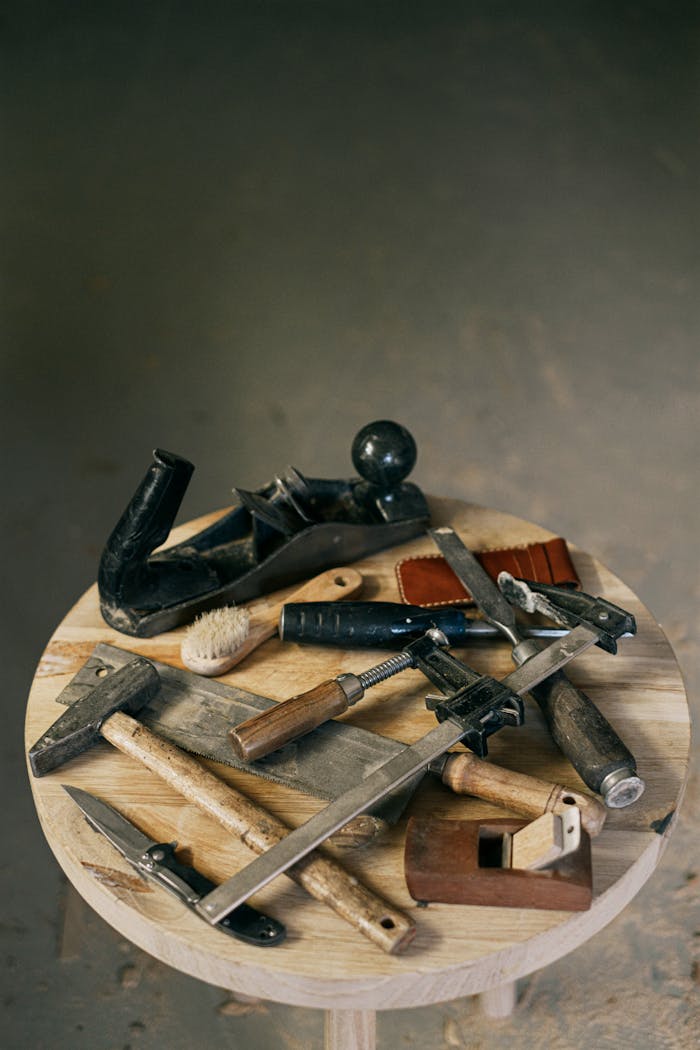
458,950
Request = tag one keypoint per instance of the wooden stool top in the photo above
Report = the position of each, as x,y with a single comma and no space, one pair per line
458,950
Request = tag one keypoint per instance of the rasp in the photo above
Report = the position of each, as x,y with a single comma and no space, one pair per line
469,714
195,713
580,730
156,861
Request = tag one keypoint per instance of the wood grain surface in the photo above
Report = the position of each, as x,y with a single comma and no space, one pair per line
458,950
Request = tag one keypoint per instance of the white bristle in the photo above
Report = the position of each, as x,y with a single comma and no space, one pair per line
214,636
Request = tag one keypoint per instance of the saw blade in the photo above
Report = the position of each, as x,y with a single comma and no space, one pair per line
196,713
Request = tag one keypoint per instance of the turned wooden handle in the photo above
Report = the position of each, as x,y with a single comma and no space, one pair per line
322,877
292,718
467,774
329,586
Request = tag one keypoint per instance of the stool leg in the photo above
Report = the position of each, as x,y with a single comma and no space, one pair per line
351,1030
499,1002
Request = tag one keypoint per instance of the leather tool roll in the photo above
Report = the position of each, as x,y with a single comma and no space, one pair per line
428,580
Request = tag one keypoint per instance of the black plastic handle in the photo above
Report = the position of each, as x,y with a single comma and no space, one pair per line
368,625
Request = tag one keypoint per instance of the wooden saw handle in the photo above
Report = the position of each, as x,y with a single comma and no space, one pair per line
277,725
467,774
322,877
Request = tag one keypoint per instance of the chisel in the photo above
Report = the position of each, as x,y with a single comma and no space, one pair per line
579,729
385,625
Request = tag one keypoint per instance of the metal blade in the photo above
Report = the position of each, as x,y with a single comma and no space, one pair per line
161,866
196,713
123,835
555,656
304,839
373,788
475,578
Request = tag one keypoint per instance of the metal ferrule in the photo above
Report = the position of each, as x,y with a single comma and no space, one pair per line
524,650
621,788
351,686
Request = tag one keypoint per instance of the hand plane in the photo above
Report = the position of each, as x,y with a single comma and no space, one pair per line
288,530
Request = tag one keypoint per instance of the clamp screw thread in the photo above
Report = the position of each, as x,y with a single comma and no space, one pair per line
387,669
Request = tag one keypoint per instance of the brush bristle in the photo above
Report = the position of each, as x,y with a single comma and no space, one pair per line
217,633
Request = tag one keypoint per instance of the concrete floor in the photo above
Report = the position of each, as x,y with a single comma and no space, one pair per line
242,231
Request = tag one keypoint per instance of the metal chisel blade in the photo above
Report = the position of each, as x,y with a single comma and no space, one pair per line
393,774
196,713
473,576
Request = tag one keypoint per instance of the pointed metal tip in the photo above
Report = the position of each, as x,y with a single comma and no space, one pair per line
82,799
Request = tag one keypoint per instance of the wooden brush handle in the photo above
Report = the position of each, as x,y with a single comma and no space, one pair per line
277,725
329,586
322,877
467,774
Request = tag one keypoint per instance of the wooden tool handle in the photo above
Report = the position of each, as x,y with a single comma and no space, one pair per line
329,586
467,774
320,876
292,718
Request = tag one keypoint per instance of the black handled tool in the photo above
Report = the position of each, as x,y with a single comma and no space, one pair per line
385,625
579,729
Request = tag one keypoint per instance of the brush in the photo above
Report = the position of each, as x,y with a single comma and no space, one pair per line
221,638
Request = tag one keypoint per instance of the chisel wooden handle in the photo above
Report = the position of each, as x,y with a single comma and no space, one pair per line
322,877
467,774
278,725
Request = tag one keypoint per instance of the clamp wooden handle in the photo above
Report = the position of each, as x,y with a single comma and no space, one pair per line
269,730
322,877
467,774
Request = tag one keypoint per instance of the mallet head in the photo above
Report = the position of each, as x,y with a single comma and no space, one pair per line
78,728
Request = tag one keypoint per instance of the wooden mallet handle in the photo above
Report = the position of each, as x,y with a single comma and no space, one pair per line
269,730
322,877
467,774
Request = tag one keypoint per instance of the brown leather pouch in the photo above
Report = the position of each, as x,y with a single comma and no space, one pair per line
429,581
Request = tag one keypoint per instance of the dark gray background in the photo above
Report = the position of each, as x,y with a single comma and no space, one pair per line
240,231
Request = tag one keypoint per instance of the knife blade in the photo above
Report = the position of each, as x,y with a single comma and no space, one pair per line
156,861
